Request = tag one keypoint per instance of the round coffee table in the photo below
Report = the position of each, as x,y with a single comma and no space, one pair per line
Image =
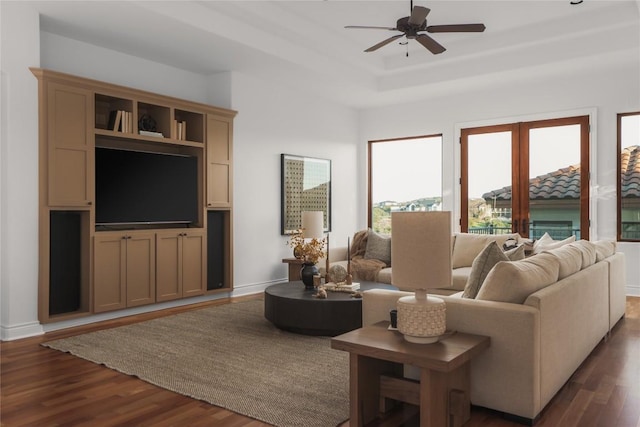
291,307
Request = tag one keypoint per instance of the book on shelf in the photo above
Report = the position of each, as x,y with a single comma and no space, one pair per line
115,118
179,129
150,133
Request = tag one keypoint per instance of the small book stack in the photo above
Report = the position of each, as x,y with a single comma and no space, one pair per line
180,130
121,121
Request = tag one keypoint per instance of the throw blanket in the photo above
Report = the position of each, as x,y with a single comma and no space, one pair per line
363,268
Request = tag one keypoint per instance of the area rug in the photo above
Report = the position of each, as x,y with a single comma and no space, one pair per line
232,357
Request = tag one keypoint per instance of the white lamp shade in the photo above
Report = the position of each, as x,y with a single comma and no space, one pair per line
421,250
313,224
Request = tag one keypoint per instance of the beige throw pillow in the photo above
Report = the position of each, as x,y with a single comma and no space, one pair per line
378,247
468,246
604,249
588,251
569,258
515,254
514,281
481,266
547,243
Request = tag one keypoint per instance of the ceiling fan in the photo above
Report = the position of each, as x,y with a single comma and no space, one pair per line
411,27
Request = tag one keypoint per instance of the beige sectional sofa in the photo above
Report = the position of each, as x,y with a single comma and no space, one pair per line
538,340
466,247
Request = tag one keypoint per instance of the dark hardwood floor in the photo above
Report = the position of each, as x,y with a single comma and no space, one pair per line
44,387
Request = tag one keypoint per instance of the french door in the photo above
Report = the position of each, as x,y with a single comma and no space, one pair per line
528,177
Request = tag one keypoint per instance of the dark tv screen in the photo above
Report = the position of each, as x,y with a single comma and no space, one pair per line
135,187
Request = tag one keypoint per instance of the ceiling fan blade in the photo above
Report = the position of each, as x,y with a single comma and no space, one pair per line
370,28
383,43
418,15
430,44
455,28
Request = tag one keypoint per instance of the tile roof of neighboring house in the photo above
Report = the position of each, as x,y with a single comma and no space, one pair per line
630,167
565,183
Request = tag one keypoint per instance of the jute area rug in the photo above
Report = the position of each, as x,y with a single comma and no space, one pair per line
232,357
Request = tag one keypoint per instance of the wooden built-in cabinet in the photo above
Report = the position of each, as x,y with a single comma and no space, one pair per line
87,268
124,270
219,161
70,147
181,264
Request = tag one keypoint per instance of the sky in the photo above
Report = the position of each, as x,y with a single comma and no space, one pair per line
412,168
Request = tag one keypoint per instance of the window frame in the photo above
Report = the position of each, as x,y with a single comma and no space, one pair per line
370,167
619,117
520,168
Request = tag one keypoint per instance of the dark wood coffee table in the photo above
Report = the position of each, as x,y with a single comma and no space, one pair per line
291,307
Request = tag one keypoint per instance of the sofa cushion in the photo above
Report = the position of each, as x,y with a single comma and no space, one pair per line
514,281
546,243
484,262
604,249
459,277
467,246
384,276
588,250
378,247
569,259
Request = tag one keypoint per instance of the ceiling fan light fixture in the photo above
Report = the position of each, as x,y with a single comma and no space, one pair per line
410,26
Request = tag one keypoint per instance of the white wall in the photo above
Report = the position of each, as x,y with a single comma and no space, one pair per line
19,49
271,121
603,90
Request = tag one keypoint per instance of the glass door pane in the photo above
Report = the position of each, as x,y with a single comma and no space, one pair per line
488,180
630,177
404,174
554,181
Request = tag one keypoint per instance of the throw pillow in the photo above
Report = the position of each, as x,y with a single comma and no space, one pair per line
514,281
484,262
546,243
569,258
604,249
588,251
378,247
466,248
516,253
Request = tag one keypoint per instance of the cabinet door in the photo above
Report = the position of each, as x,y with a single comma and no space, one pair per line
168,253
109,281
193,263
219,160
141,269
70,146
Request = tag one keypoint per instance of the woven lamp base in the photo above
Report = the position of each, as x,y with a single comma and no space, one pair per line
421,318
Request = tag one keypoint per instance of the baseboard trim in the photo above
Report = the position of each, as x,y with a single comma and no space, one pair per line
24,330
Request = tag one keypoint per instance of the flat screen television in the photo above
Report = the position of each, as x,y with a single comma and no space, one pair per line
138,187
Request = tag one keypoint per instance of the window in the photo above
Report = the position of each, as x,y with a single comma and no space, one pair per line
530,178
404,174
629,176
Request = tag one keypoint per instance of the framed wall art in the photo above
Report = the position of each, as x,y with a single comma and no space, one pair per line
306,186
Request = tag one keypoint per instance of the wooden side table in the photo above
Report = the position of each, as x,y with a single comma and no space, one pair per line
376,355
295,265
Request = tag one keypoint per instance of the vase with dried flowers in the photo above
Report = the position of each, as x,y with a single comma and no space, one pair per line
310,251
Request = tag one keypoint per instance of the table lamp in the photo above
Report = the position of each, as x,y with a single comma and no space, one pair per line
421,258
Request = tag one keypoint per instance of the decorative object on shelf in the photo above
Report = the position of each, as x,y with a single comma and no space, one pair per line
337,273
306,274
349,277
421,253
306,186
147,123
321,293
311,243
